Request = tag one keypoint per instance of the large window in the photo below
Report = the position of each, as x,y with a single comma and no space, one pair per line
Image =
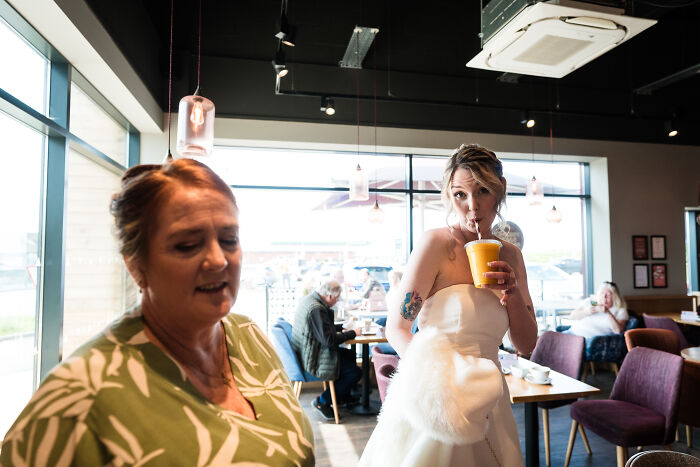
20,204
94,270
61,279
298,226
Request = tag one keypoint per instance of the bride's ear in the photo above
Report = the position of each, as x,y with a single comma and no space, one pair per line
505,185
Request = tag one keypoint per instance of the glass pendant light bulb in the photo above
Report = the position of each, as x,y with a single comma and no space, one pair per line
359,186
534,193
554,215
375,215
195,126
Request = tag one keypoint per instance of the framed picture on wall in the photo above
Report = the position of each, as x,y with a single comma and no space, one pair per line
658,247
641,276
640,247
658,276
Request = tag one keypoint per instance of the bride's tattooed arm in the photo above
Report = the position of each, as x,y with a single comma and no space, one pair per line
411,306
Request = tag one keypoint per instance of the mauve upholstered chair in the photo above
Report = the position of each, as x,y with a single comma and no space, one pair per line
659,339
662,458
689,408
563,353
384,374
643,405
662,322
380,358
281,337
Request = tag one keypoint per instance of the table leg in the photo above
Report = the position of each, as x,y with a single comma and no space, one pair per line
532,433
365,407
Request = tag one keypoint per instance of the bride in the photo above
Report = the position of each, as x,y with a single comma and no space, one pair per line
448,403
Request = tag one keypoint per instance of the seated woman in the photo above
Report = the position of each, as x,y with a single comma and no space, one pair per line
606,313
179,380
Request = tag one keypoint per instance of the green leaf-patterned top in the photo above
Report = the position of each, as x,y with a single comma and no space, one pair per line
120,400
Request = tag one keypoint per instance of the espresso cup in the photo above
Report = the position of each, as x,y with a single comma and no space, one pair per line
518,371
539,374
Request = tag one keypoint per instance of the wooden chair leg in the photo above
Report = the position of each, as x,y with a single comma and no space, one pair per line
572,438
677,430
689,436
585,373
592,368
334,402
621,456
615,368
297,389
545,432
325,385
585,439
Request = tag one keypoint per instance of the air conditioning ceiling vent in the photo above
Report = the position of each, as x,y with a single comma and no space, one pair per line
551,38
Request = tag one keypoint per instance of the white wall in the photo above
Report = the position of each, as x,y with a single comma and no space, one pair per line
637,189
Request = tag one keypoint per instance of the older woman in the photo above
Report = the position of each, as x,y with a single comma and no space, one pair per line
448,404
180,380
606,313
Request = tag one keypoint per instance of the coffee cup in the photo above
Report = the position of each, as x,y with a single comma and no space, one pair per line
480,254
539,374
368,325
518,371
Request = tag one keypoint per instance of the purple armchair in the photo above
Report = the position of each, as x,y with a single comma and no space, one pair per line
662,322
688,407
643,406
563,353
384,374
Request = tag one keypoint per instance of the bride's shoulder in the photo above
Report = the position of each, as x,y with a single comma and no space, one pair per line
436,237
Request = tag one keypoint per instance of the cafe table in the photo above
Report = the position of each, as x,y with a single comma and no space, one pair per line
366,407
521,391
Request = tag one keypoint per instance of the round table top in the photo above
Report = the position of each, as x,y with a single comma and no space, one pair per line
691,353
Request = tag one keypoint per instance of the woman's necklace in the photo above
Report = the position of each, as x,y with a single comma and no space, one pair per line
221,376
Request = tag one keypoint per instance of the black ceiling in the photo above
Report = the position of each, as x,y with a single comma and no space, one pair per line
419,56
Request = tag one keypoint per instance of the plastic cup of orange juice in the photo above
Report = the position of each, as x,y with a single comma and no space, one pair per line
480,254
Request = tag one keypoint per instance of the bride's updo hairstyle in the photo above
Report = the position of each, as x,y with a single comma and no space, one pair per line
143,191
485,167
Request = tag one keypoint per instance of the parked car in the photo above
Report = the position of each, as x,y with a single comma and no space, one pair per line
548,282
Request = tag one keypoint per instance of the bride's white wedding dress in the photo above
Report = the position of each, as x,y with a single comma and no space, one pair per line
448,403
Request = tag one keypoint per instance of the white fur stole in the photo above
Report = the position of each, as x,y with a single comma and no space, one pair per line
443,393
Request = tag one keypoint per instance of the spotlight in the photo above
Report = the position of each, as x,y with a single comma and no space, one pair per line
279,64
671,129
327,105
287,32
526,120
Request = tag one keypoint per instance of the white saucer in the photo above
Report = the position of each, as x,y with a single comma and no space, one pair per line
529,379
506,371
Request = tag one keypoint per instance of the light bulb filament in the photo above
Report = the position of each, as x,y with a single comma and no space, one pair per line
197,116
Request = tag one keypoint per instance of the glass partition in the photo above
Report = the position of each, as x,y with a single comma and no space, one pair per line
20,204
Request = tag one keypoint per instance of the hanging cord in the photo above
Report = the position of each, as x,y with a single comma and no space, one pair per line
199,48
376,183
357,92
169,156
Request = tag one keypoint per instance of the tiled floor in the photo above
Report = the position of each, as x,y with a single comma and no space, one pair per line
341,445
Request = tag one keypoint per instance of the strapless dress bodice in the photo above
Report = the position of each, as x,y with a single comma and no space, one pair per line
472,318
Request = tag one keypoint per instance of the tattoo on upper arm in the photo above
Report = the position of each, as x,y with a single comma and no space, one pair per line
411,306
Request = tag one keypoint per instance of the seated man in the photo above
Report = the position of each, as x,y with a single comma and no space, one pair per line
315,339
369,283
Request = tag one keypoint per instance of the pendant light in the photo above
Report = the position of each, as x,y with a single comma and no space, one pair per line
534,191
359,186
169,156
554,215
195,122
376,215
